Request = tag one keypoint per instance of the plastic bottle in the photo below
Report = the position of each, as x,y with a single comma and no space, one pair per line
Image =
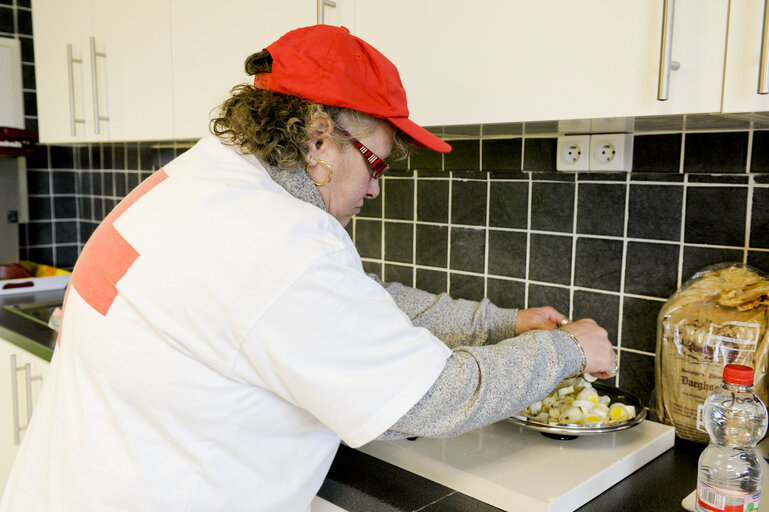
728,472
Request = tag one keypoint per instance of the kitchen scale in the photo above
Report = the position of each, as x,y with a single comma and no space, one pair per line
515,468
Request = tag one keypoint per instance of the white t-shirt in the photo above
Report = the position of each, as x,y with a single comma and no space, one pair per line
219,338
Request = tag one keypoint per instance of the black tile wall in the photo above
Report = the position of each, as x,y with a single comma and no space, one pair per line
552,206
502,154
399,199
716,215
433,200
550,258
601,217
598,264
657,153
468,202
716,152
508,204
492,218
759,161
467,249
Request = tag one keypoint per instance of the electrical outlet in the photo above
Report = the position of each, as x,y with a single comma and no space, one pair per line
573,153
611,152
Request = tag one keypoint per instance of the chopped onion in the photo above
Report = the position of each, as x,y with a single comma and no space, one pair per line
576,402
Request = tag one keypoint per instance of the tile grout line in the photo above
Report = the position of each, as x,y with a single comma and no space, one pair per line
623,270
573,270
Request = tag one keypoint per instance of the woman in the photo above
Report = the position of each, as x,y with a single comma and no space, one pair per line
220,336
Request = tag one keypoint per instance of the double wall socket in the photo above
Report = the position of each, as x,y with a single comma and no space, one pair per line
596,152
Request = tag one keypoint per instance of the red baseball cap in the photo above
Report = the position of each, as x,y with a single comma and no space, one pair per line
330,66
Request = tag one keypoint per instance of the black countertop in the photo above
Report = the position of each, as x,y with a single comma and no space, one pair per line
33,337
358,482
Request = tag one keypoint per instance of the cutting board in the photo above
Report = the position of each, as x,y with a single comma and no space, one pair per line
515,468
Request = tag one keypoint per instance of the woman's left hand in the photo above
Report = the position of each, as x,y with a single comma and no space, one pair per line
545,317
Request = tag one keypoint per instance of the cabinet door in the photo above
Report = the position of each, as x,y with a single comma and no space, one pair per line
14,407
743,52
62,69
133,70
518,60
211,41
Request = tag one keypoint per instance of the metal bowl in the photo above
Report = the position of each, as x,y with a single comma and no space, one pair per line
571,431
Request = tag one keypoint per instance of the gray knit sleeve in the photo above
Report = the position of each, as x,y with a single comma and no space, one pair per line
456,322
483,385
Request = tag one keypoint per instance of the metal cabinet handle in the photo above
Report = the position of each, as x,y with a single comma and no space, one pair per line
71,78
29,379
666,50
17,428
97,117
27,368
763,70
321,9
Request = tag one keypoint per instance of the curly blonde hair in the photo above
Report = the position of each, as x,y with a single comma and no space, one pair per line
276,128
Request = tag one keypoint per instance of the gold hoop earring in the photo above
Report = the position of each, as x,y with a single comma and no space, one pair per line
330,173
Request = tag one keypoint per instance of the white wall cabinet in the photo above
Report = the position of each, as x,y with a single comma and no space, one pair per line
21,379
211,41
743,54
103,70
517,60
167,64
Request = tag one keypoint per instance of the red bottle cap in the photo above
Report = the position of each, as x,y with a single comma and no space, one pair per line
738,374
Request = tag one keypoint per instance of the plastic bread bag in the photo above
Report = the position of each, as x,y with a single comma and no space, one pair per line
719,316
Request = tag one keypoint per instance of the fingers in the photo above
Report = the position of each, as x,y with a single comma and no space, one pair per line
545,317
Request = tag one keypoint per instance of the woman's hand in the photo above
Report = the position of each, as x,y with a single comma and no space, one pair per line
537,318
601,362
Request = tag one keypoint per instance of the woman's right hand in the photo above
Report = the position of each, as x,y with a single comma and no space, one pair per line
600,358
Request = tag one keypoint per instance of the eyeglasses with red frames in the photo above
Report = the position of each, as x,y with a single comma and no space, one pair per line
378,166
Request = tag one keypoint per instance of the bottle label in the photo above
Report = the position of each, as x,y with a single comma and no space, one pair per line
724,500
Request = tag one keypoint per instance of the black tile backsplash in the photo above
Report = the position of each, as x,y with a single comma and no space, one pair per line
468,202
399,242
716,152
542,295
433,281
467,286
464,155
432,249
508,204
759,160
399,199
759,220
507,253
716,215
506,293
651,268
552,206
598,264
6,20
493,218
657,153
550,258
502,154
539,154
639,325
467,249
433,200
601,209
654,211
